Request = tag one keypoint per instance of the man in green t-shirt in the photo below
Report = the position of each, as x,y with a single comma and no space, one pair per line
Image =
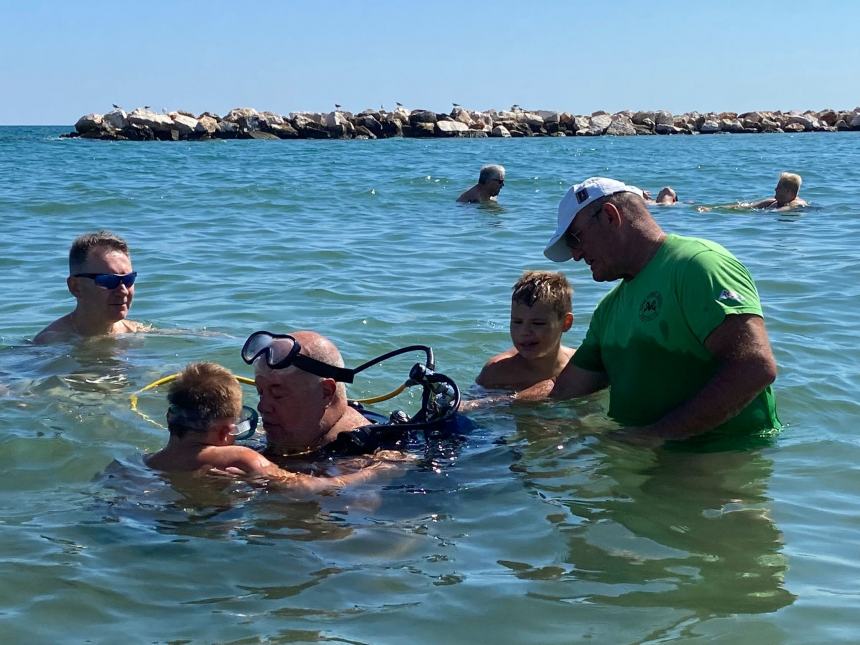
681,341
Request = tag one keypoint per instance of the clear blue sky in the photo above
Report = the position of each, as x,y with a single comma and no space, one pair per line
60,60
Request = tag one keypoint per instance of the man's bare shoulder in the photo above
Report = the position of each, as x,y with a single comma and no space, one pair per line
58,331
470,196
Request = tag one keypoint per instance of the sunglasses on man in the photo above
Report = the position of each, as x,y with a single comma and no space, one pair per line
109,280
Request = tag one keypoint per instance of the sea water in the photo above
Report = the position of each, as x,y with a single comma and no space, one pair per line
536,529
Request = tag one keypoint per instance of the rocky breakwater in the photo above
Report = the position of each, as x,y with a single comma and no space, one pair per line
143,124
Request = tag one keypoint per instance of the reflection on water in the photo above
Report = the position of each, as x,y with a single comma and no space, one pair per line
655,528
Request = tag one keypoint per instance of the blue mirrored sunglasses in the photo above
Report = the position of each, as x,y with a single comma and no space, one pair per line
109,280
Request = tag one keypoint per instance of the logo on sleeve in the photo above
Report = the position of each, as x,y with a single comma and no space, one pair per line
729,295
650,307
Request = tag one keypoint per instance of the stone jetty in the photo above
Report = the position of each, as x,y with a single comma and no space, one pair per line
143,124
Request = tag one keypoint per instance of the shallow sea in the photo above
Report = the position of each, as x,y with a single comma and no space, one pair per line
538,528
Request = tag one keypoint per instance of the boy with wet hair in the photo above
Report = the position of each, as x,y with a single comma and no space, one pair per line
205,406
541,312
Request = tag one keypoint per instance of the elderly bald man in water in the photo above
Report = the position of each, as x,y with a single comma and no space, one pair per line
302,402
491,180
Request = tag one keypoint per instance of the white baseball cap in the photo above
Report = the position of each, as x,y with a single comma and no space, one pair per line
577,198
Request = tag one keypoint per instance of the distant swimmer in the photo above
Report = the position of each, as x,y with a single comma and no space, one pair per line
491,180
666,197
102,281
784,199
785,196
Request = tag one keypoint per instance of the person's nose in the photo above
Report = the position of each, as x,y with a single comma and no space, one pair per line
263,405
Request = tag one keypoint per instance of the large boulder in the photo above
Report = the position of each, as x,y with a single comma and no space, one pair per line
363,133
268,120
532,119
463,116
227,130
597,125
665,128
90,123
160,124
401,114
501,131
257,134
422,116
451,129
804,120
134,132
116,119
370,123
283,130
423,129
235,114
732,125
640,118
186,125
709,126
855,121
621,126
206,127
828,117
392,126
664,117
338,124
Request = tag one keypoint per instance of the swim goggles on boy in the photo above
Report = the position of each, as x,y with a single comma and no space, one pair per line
109,280
245,424
288,353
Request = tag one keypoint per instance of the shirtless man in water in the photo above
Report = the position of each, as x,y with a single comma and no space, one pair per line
785,196
491,180
102,281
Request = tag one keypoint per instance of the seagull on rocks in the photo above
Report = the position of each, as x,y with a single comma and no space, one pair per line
398,103
336,106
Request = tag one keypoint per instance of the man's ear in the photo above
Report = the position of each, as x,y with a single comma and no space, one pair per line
613,214
568,321
74,286
329,387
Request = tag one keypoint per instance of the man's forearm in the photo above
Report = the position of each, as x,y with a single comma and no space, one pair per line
728,392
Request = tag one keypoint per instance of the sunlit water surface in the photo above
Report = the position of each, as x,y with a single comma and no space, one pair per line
538,529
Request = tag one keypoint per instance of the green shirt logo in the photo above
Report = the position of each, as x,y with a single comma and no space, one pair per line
650,307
